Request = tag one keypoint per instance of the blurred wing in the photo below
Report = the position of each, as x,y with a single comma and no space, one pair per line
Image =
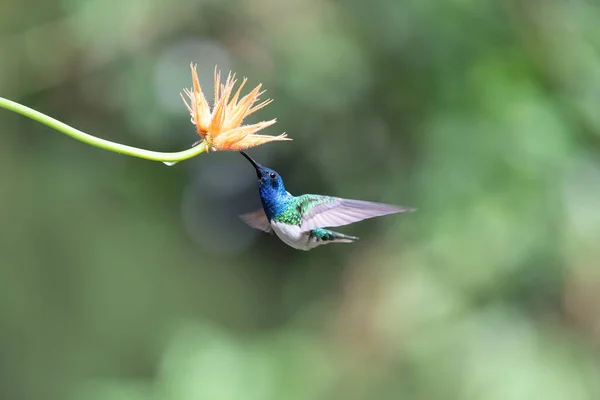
325,211
258,220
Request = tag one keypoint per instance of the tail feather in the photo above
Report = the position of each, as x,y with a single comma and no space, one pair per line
325,236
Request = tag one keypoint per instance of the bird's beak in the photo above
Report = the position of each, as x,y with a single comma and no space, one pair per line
256,165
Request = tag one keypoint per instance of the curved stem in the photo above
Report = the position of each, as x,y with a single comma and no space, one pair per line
97,142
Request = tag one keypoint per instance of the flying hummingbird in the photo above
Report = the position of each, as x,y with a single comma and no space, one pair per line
299,220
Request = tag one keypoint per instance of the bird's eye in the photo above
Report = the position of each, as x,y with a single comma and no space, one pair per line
272,175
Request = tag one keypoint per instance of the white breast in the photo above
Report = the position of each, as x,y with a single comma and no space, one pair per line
293,236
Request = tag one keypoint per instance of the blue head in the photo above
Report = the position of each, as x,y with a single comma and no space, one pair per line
272,191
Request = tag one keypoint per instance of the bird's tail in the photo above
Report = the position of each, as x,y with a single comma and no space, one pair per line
326,236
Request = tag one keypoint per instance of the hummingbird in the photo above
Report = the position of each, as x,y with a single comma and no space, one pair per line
299,221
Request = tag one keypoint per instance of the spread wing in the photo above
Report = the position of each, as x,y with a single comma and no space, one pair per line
258,220
325,211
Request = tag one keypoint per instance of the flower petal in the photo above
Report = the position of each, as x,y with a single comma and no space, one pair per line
241,137
257,140
235,98
241,110
199,98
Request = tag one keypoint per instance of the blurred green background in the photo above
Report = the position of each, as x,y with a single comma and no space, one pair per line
124,279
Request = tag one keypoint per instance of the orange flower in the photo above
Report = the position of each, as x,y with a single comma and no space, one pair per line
221,128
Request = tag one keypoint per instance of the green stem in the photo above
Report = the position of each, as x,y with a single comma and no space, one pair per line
97,142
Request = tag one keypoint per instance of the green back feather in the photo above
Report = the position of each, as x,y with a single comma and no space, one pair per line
300,206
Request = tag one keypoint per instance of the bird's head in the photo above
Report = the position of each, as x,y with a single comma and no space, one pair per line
269,181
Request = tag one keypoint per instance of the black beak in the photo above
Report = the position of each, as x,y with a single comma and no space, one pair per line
254,163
